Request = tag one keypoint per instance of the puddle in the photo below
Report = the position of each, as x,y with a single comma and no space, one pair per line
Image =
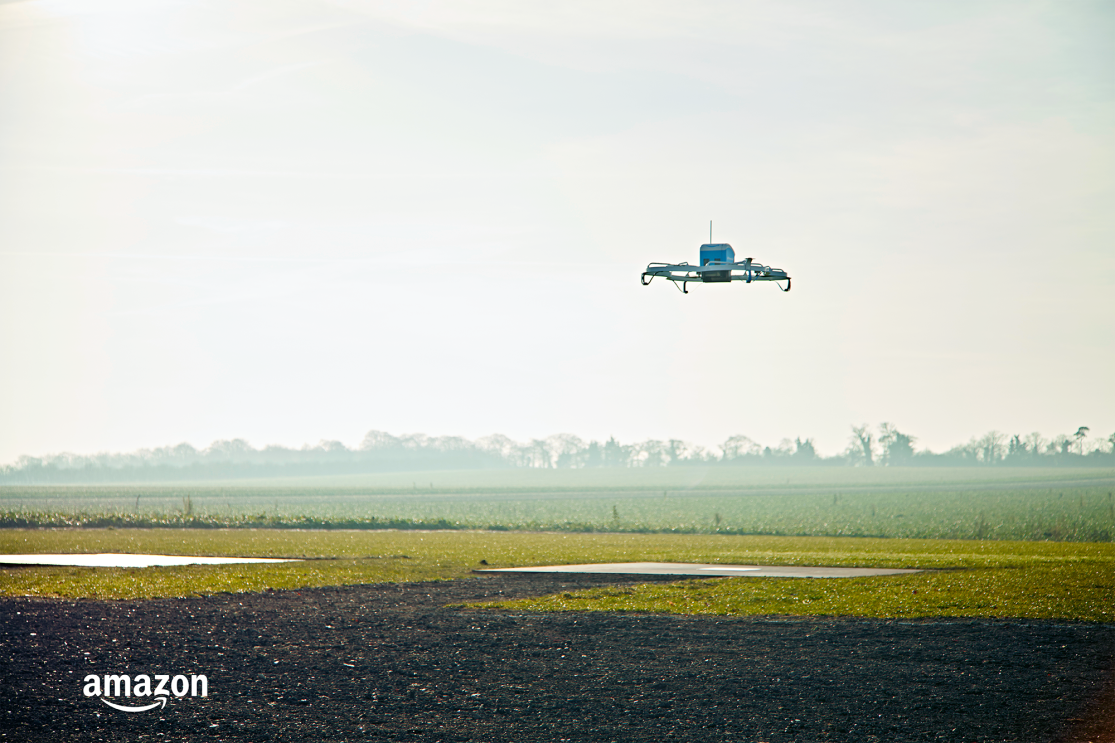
118,560
683,568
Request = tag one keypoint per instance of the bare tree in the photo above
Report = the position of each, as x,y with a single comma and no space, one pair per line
784,449
861,446
1035,444
739,446
1059,445
566,450
652,453
991,447
969,451
675,450
499,445
538,454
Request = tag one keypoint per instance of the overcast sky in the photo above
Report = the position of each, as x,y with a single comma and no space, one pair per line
294,220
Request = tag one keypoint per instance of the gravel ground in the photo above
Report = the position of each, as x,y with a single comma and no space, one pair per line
390,663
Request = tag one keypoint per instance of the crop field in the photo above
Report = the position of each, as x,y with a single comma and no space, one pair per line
933,503
1071,581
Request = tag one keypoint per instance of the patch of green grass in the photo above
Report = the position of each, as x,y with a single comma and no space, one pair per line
1022,579
201,580
963,579
1076,591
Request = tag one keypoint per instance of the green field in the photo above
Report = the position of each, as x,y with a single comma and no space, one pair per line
936,503
1049,580
1074,591
1005,542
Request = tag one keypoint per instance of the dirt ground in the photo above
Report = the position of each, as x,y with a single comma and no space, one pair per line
390,663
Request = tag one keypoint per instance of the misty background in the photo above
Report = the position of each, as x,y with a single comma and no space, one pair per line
883,446
281,220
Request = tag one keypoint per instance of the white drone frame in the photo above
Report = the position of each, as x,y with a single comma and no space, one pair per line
714,272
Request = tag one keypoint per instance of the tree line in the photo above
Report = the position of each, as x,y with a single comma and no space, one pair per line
883,446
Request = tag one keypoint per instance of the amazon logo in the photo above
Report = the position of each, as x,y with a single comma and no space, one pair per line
149,691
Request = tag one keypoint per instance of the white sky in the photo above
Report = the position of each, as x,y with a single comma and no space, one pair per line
288,220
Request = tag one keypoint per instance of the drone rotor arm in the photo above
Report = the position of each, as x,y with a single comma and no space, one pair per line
714,271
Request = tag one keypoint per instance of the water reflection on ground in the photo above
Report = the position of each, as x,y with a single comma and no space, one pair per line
118,560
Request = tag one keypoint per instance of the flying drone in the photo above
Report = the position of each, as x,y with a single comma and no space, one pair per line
718,265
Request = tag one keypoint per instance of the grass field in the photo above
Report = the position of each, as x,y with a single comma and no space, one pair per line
1068,581
934,503
1073,591
999,541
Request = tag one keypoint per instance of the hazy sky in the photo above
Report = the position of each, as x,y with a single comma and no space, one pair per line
295,220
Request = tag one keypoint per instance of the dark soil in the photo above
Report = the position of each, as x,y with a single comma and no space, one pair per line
390,663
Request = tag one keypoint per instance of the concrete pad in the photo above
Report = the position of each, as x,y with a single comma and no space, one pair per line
687,568
117,560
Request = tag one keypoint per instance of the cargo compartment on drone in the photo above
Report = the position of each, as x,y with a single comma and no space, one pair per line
721,252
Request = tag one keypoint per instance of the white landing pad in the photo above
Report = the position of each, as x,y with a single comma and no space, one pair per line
687,568
116,560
